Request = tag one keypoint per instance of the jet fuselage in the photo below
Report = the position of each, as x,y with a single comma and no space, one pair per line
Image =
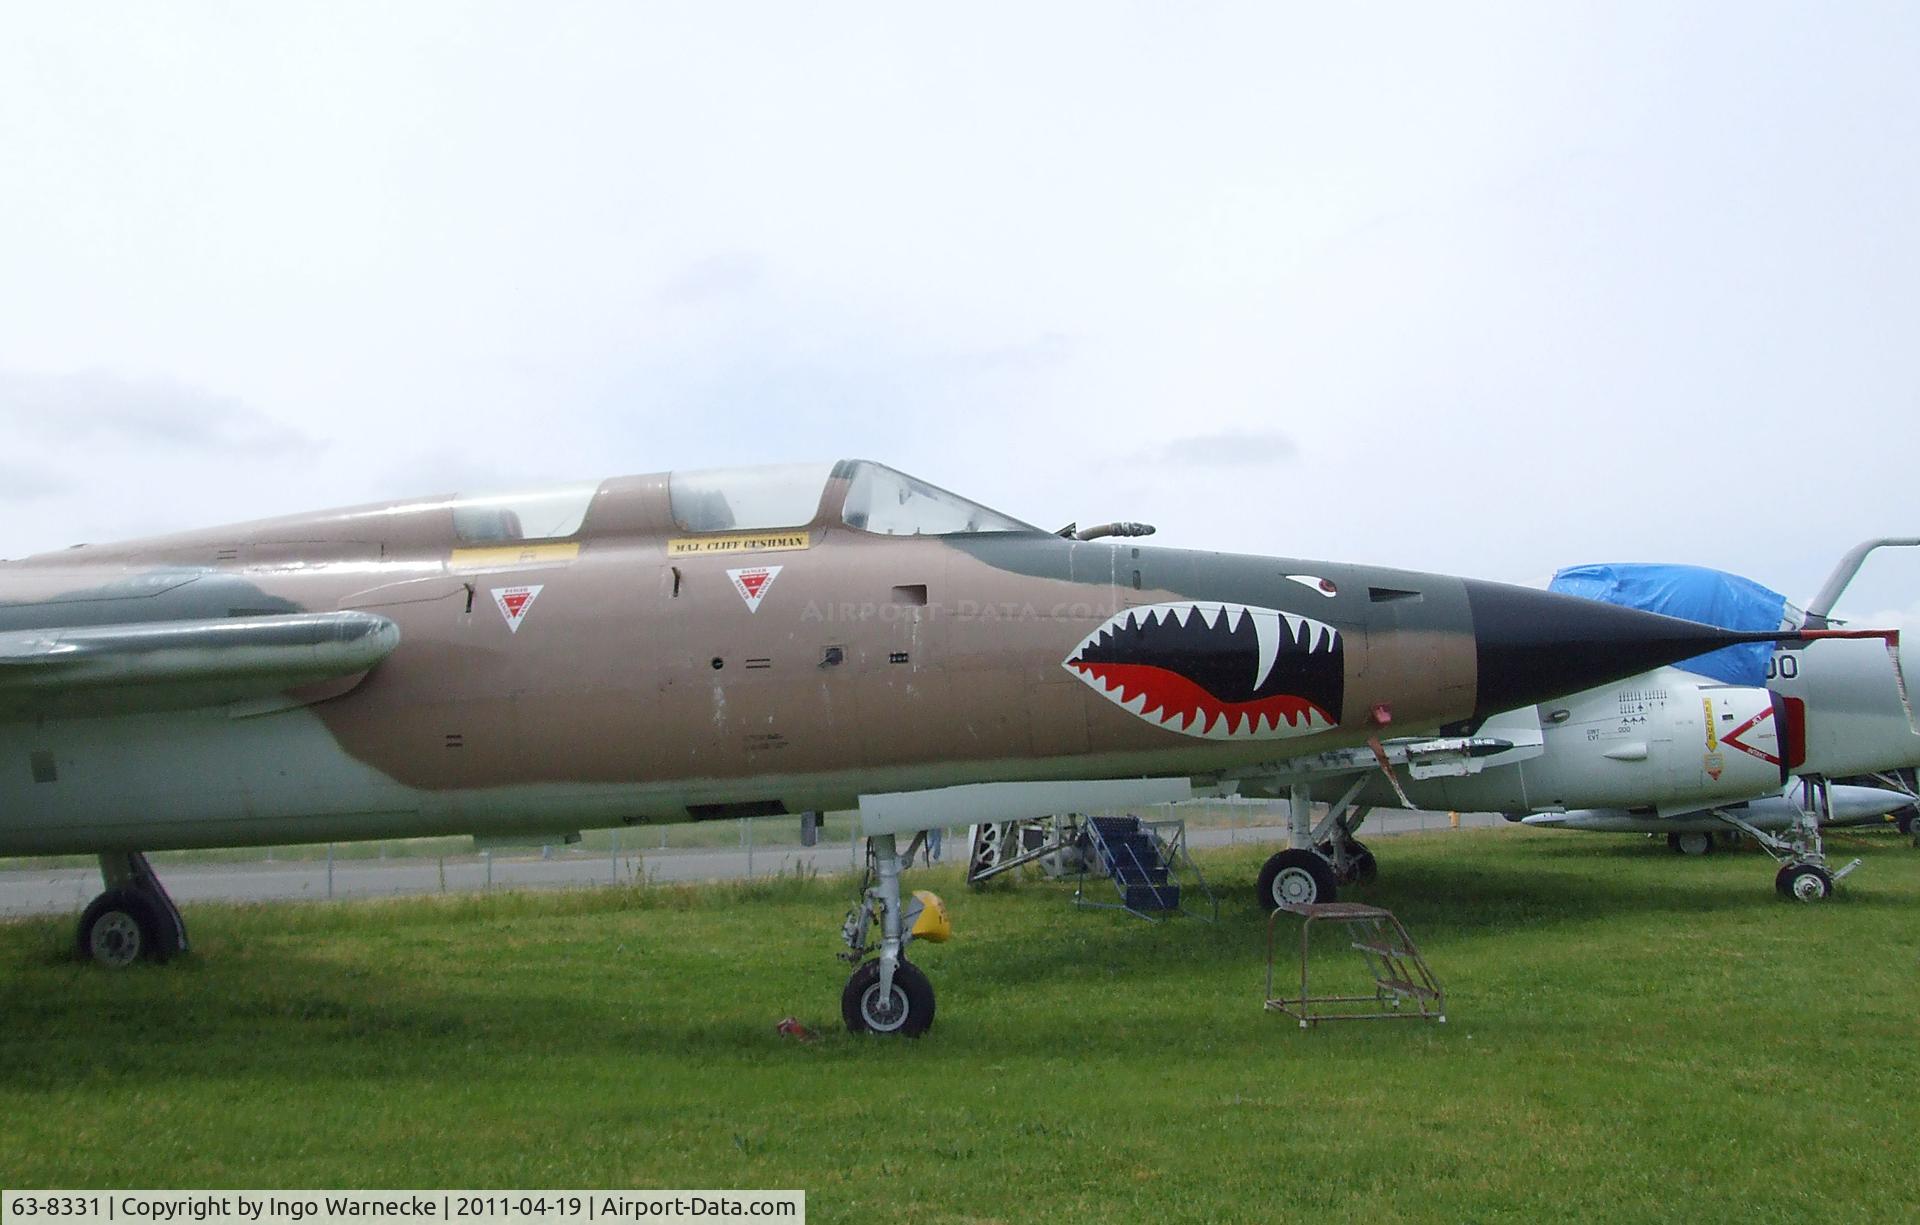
636,668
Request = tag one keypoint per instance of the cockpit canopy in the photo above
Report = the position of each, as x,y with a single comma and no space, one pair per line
878,499
891,503
861,494
544,514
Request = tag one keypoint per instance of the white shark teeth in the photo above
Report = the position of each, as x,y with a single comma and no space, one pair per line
1304,636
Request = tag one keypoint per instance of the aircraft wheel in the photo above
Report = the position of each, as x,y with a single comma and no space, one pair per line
907,1010
1296,877
119,928
1906,820
1804,882
1365,866
1692,842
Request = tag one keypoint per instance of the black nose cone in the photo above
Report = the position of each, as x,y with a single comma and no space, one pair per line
1534,645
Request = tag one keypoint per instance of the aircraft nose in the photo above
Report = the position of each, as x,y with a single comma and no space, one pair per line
1534,645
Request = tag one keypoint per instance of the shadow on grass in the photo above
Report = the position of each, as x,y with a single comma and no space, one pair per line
1532,886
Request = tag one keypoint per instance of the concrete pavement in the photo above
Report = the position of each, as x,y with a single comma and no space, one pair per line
31,891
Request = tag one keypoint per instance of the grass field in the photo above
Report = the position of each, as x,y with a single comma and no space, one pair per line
1632,1036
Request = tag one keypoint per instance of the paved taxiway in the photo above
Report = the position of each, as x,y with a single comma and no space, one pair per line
28,890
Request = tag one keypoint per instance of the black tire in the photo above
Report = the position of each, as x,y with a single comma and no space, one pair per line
1361,865
1295,876
910,1013
1365,867
1905,821
1804,882
1690,842
119,928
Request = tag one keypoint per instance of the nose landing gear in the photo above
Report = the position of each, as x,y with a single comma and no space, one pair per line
889,994
1804,875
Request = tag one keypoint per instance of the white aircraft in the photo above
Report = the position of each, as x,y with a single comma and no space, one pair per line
1714,744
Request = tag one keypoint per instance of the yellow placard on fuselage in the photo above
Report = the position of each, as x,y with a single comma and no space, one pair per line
738,542
492,557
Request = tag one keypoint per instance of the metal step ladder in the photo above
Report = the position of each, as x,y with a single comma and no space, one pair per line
1404,987
1141,858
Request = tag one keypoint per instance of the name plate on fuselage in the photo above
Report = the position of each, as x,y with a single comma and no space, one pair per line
738,542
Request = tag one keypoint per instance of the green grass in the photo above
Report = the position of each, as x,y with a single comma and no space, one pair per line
1632,1036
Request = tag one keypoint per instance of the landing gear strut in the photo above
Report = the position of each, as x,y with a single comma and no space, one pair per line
134,919
889,994
1804,874
1319,858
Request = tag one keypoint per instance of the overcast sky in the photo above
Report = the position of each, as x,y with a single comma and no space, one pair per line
1485,290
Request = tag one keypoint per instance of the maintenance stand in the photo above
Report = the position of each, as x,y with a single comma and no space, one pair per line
1404,988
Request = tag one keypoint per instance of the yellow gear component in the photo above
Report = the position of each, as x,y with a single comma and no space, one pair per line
933,923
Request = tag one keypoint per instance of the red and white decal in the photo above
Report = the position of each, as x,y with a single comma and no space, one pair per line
1314,583
1736,739
752,583
513,603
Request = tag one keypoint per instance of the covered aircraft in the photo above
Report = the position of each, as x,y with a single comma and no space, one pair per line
715,644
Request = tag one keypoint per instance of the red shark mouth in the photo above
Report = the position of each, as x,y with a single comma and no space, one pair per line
1217,671
1176,703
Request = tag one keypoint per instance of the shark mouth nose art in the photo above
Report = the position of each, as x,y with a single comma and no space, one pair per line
1219,671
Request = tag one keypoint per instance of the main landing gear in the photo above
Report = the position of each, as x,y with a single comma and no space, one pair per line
1804,875
889,994
134,919
1319,858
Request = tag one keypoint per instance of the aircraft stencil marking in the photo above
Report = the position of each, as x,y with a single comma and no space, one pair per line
513,603
1733,738
1217,671
752,583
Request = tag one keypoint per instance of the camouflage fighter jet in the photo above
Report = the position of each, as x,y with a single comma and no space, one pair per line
702,645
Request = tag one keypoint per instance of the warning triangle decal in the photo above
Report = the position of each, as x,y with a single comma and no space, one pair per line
514,602
752,583
1736,739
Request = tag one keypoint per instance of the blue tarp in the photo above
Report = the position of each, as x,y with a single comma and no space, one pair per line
1697,594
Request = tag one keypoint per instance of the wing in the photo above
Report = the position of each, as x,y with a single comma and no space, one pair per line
177,665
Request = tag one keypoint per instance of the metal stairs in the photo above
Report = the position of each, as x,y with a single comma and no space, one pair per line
1142,863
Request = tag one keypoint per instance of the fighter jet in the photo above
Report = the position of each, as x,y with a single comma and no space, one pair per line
712,644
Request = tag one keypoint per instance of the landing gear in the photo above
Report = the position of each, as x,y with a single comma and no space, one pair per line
889,994
1319,858
1352,861
903,1007
1804,875
1691,842
1908,821
1804,882
134,920
1296,878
